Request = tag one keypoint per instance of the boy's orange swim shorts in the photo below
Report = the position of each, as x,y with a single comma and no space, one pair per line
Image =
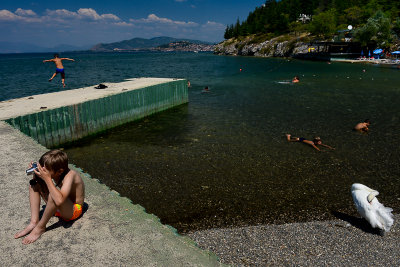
75,215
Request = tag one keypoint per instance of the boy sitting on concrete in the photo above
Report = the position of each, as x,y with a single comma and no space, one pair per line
65,202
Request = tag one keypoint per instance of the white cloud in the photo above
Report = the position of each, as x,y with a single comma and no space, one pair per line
88,13
19,15
86,25
25,12
123,24
214,25
152,18
7,15
110,17
61,14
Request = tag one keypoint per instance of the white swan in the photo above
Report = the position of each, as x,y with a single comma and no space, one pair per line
370,208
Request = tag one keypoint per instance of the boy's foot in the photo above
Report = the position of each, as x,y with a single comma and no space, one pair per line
33,236
26,231
63,84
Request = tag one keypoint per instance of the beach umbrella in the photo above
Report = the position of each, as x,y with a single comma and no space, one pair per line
395,53
378,51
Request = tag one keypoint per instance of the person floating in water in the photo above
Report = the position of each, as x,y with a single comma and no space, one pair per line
296,79
59,67
315,143
205,90
362,126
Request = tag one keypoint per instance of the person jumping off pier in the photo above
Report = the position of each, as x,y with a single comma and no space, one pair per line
59,67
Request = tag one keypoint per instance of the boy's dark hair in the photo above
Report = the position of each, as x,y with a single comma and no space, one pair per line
367,121
54,160
56,55
316,140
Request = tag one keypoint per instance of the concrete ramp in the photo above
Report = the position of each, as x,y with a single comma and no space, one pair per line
111,232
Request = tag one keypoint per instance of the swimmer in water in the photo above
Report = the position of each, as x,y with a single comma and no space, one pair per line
296,79
205,90
362,127
314,143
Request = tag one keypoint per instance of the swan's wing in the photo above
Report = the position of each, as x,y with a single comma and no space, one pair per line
384,216
361,202
372,195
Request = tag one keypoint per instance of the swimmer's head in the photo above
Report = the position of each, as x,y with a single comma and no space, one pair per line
56,55
367,121
317,140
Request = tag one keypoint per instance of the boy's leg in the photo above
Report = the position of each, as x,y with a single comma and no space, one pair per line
34,201
291,139
66,210
52,77
63,79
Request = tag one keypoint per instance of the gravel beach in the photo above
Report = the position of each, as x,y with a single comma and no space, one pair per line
347,241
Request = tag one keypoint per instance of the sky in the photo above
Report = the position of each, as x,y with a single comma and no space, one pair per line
82,23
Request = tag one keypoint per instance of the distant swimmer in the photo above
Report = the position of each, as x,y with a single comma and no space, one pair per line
296,79
315,143
205,90
363,126
59,67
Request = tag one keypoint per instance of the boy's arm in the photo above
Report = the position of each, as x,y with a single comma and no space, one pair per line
59,196
48,60
315,147
65,58
327,146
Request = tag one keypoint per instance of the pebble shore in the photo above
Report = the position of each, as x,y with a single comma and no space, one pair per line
347,241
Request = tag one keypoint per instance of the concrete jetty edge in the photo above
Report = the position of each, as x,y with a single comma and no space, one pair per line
112,231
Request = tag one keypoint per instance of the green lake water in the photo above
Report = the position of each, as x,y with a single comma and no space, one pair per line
222,159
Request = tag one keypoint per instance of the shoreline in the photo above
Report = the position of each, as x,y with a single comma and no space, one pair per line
346,241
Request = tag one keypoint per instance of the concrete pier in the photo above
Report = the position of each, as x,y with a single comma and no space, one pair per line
62,117
112,230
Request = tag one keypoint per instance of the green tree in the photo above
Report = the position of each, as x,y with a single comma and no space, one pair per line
324,24
396,27
377,29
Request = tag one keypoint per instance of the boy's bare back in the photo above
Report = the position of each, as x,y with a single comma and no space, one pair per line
73,185
58,62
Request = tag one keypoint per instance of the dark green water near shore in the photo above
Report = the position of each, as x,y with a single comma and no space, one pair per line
223,159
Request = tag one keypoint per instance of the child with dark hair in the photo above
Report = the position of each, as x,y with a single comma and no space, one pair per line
59,67
363,126
314,143
62,189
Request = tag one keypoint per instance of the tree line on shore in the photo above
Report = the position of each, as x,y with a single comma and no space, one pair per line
376,21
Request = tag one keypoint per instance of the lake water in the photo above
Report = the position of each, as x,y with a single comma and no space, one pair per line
223,159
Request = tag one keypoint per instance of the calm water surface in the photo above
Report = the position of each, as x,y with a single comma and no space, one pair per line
223,159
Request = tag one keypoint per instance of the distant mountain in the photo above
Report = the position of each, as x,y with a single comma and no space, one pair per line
141,44
16,47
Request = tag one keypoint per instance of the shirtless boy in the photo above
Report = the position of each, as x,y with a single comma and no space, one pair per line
314,143
296,79
65,202
363,126
59,67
